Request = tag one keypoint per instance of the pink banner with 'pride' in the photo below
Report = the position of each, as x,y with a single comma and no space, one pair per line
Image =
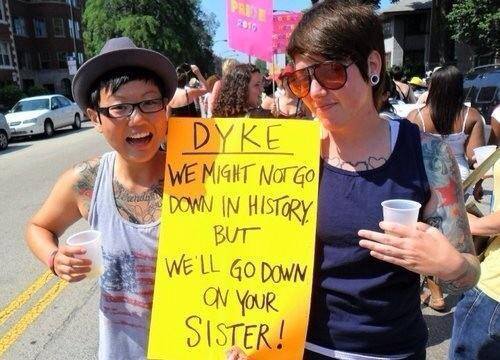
250,27
283,25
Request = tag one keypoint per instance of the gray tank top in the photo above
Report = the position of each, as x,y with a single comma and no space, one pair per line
129,258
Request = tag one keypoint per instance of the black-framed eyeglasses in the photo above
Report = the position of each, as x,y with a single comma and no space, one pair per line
329,74
127,109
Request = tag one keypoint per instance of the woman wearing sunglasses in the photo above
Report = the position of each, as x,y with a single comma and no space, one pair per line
365,299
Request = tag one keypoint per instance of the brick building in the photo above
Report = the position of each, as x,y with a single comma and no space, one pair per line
41,34
7,68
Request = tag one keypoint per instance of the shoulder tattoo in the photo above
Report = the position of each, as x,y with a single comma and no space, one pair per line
84,186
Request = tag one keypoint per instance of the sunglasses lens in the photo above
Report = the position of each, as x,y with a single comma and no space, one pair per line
331,75
299,82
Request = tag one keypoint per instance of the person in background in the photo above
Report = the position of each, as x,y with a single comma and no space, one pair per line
418,86
227,66
288,105
495,127
365,297
446,117
460,127
404,90
186,97
206,98
476,325
386,110
240,93
422,99
268,102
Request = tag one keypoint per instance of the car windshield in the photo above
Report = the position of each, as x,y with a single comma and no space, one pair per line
28,105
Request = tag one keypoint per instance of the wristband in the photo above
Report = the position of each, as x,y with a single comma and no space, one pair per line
51,261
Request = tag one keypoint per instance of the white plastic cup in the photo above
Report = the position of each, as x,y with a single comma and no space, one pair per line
482,153
401,211
91,241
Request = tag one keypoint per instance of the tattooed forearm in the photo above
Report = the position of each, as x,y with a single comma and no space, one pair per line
86,174
446,210
470,275
143,208
370,163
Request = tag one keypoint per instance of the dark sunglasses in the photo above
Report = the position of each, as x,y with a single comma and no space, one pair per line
329,74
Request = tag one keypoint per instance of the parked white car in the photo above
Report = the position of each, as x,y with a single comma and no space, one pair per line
4,133
42,115
402,109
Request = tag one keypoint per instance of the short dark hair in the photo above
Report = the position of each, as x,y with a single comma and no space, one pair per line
341,30
112,81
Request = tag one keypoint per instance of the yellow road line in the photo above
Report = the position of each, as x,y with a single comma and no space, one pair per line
16,331
24,296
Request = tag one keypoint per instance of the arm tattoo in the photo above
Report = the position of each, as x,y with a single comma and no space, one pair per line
86,173
445,209
371,163
143,208
463,280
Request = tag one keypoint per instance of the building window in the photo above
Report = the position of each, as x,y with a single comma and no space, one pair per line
5,60
80,58
77,29
388,60
74,27
24,59
19,26
2,12
387,28
71,28
62,59
40,28
58,24
44,60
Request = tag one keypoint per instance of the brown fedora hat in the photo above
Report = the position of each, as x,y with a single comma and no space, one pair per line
117,53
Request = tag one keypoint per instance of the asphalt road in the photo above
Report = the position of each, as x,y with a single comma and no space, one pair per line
59,321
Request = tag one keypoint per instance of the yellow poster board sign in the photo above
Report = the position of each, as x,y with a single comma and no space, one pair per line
236,248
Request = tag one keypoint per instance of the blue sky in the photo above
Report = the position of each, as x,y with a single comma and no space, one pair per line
218,7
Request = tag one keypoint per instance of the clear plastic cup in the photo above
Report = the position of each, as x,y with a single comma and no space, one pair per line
91,241
482,153
401,211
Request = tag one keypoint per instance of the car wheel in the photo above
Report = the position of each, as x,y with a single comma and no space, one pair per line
4,140
48,128
77,124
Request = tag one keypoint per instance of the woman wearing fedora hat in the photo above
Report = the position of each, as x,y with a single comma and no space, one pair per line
124,91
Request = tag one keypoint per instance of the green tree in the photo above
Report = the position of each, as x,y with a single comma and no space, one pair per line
176,28
476,23
9,95
261,65
376,3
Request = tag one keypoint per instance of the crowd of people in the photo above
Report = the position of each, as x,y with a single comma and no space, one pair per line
366,293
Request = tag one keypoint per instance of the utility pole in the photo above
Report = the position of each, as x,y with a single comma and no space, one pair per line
75,53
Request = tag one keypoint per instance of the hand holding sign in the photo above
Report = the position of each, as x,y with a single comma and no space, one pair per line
236,247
